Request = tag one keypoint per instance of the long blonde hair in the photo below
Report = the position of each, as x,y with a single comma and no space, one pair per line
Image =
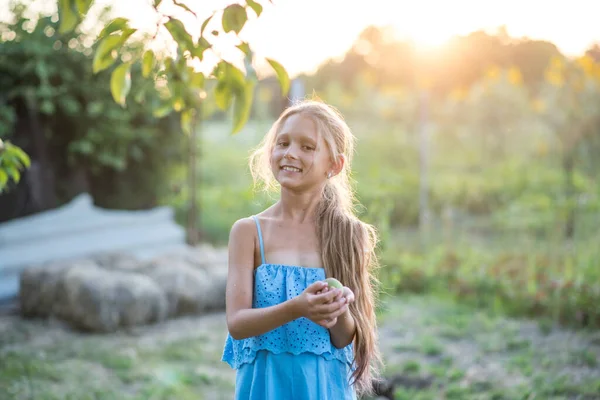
347,244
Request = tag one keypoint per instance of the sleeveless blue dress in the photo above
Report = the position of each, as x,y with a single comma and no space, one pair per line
295,361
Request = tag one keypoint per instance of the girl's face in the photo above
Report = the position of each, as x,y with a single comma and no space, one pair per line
300,157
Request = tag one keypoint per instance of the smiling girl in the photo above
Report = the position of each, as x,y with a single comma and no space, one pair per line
290,335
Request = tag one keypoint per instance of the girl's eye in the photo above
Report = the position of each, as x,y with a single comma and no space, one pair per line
309,148
283,144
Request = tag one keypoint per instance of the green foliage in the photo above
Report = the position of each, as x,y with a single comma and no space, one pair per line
50,76
71,13
185,85
106,52
120,83
12,161
185,89
281,75
234,18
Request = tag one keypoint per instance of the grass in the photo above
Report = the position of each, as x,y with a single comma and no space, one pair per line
80,366
554,283
450,350
486,356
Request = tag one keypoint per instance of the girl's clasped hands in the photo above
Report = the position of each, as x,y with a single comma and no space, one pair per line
323,304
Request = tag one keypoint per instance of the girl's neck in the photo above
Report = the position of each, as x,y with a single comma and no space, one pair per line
298,207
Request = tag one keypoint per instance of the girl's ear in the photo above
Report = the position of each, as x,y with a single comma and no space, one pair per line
338,165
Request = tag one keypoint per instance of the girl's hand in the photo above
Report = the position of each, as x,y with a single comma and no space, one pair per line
345,293
348,294
321,304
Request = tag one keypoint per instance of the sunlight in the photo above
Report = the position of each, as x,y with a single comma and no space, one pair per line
425,38
429,25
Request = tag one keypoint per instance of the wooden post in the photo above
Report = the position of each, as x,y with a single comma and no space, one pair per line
193,176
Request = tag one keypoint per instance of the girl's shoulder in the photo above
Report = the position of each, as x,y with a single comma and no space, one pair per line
246,227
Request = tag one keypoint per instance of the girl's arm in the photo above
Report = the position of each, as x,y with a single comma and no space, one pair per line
243,321
342,333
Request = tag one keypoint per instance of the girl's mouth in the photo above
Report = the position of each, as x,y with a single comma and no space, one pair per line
291,169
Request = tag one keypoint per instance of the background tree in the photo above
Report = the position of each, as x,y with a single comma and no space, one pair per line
172,83
570,104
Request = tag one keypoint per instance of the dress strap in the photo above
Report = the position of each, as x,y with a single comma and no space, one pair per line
260,240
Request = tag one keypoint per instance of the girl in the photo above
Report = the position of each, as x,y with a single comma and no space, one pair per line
290,335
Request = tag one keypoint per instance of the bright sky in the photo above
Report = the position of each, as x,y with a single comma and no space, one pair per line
303,33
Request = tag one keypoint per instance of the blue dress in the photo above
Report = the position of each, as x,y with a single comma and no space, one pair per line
295,361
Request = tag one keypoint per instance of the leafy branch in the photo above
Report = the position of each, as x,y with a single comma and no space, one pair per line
184,85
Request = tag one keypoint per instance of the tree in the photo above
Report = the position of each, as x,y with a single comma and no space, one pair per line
64,117
571,98
181,87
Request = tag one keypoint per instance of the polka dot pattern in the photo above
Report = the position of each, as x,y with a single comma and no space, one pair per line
274,284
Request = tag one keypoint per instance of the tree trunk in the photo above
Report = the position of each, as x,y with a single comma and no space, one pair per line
42,172
193,174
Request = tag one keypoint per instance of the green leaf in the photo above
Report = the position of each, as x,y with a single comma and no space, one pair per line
201,47
147,63
120,83
83,147
231,82
107,50
21,155
47,107
163,110
197,80
67,15
234,18
242,107
187,120
282,75
235,77
223,95
3,178
204,24
140,96
180,34
117,24
83,6
13,173
255,6
185,7
245,48
157,3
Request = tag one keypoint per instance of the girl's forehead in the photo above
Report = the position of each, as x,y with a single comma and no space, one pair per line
300,125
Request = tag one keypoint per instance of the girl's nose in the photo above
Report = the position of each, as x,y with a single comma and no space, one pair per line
289,153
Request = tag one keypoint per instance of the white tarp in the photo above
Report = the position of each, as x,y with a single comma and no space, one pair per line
79,229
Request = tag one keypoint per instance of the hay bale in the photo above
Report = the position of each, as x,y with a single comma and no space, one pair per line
114,290
100,300
215,297
118,261
189,290
40,286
